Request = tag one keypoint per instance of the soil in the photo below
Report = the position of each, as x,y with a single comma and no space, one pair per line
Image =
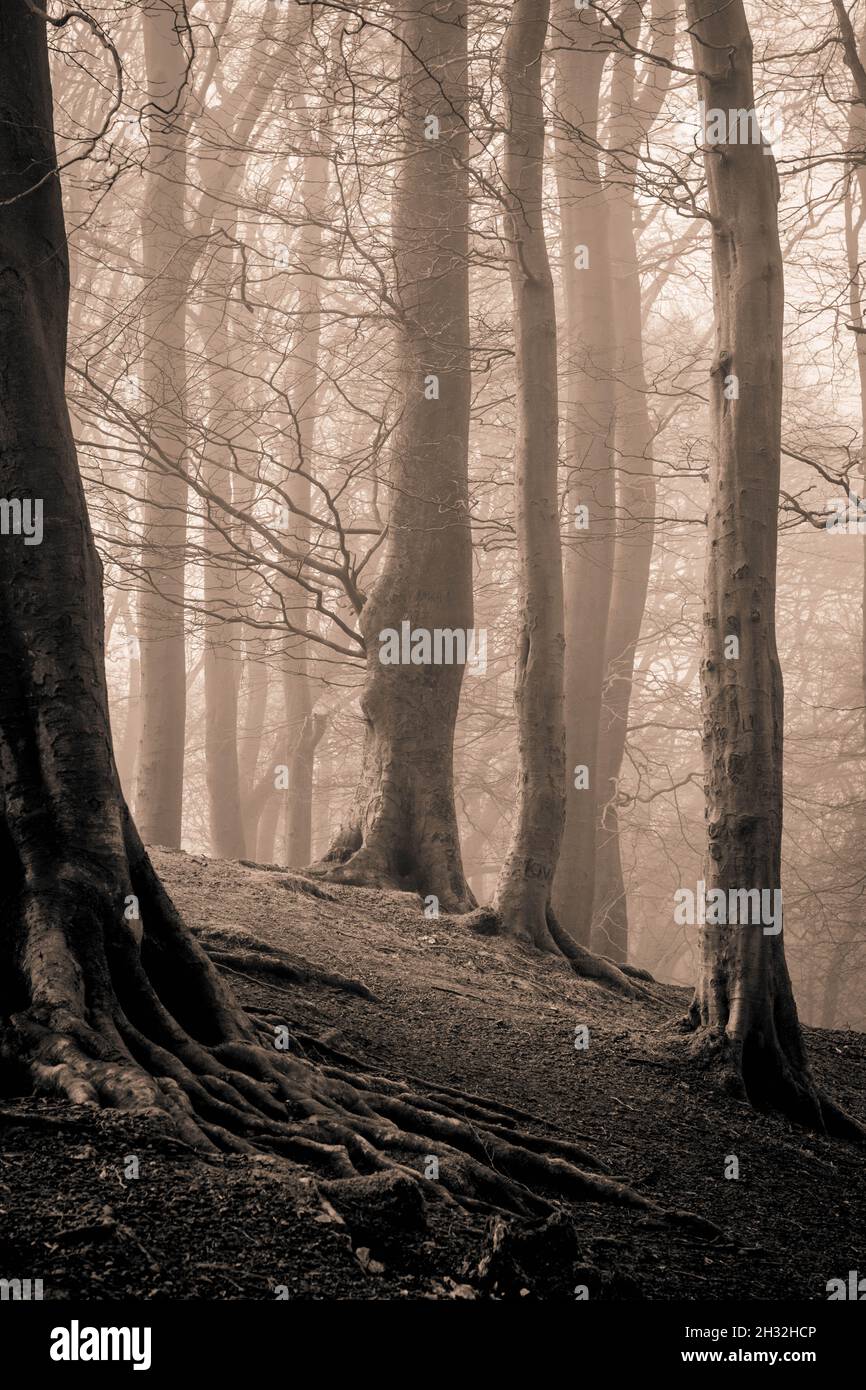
103,1206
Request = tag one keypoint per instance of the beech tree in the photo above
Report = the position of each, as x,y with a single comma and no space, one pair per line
402,828
580,54
522,904
743,1015
634,107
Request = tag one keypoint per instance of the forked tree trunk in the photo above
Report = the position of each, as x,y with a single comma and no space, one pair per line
402,830
167,258
743,1010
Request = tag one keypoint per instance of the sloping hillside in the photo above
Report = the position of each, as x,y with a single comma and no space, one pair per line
454,1012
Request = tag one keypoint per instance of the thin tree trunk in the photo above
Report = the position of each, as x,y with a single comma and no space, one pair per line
522,906
128,751
251,737
166,259
523,893
304,388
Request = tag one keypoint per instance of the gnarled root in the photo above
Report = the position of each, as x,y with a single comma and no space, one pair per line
758,1068
549,935
235,949
143,1023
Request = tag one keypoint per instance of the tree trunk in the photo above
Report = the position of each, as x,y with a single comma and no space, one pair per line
523,893
223,591
402,830
633,112
89,998
128,751
580,55
303,389
522,906
166,259
743,1009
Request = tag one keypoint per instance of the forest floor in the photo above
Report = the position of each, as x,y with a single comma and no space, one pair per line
468,1011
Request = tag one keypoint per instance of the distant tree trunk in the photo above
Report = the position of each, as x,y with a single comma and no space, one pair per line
266,841
744,1010
165,254
223,591
128,751
402,829
304,393
322,799
633,111
588,408
251,737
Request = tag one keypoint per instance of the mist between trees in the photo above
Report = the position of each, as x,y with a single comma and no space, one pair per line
400,317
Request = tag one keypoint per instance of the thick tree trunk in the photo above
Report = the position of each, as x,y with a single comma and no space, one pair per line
88,997
402,830
743,1009
580,55
166,259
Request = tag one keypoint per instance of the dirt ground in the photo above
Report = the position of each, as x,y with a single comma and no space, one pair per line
102,1206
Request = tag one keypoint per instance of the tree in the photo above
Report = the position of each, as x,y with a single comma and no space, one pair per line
402,829
522,905
634,108
580,54
743,1013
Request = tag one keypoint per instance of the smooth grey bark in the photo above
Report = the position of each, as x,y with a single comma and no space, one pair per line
743,1012
524,890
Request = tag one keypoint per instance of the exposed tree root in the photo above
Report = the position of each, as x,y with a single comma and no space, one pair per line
376,862
757,1069
553,937
144,1024
292,882
237,949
